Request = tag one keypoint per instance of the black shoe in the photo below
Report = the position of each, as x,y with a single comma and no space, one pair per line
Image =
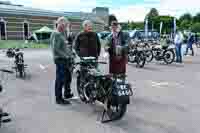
62,101
68,96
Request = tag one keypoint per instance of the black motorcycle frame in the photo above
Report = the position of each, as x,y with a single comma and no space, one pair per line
96,86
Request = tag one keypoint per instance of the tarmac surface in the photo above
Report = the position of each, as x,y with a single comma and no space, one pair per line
166,99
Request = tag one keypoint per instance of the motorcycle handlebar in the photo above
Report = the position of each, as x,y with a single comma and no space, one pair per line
101,62
98,62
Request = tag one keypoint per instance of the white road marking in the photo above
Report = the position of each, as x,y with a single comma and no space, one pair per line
164,84
42,67
159,83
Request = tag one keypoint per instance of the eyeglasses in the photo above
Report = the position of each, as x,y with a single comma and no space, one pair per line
114,24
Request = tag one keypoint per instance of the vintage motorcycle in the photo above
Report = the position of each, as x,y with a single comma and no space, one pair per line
112,90
10,53
165,54
19,64
137,55
4,116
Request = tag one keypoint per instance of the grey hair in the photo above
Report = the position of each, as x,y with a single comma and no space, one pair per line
62,20
87,22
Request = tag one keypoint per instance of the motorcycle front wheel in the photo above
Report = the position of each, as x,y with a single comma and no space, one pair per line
21,71
131,58
149,55
140,59
79,88
169,56
1,111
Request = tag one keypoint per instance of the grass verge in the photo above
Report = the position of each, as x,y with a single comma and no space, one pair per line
4,44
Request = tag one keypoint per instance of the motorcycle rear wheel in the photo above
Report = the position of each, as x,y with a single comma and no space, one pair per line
79,89
116,112
131,58
22,72
169,56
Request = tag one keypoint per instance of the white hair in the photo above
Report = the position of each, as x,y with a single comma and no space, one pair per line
87,23
62,20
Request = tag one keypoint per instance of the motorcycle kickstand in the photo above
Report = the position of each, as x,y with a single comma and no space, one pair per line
103,116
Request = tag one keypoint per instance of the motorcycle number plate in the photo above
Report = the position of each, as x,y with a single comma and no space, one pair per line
124,90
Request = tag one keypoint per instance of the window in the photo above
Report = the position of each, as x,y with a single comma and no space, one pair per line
26,30
2,30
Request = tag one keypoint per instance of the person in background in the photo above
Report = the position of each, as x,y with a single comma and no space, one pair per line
117,47
62,55
196,39
178,40
164,41
69,35
190,43
87,43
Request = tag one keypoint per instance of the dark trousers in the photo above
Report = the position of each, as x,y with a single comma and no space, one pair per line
63,79
189,46
178,53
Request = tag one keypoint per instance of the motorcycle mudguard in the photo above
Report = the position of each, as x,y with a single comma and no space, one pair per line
121,92
116,100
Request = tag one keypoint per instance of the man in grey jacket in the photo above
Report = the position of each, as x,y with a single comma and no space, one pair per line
63,57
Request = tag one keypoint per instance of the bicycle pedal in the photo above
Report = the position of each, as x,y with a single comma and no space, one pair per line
6,121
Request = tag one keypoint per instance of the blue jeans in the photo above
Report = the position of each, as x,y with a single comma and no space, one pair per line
178,53
189,46
63,79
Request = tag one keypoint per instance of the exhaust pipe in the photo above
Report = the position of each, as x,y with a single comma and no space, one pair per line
6,120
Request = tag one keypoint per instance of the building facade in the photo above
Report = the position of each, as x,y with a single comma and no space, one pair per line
18,22
102,12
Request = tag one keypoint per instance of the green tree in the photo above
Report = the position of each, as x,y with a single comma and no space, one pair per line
153,13
196,18
196,27
151,16
139,25
185,24
186,16
124,26
167,23
131,25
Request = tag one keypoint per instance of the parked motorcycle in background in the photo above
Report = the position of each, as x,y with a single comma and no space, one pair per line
164,53
19,64
136,54
10,53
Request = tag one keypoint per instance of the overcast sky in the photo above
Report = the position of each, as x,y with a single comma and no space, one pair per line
124,9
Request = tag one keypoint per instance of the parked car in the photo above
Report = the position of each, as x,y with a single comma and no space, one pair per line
140,34
103,34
